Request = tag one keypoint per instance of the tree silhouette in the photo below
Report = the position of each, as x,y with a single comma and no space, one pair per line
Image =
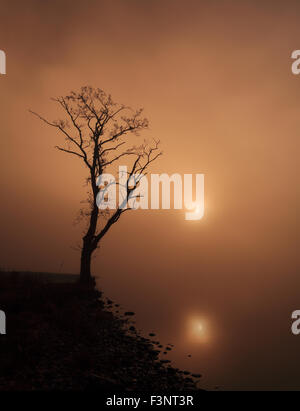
97,131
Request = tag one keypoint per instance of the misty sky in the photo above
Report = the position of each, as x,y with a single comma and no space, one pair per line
215,80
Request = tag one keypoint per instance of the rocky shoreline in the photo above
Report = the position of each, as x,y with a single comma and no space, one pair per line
63,337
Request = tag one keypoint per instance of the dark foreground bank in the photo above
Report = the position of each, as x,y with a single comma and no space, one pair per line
60,336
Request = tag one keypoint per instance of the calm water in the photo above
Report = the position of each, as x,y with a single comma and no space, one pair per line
232,314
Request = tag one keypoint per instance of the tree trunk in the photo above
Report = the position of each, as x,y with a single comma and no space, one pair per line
88,246
85,265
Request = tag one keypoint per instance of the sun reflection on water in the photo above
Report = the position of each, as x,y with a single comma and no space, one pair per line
198,330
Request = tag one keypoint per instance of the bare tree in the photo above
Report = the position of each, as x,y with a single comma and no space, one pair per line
97,131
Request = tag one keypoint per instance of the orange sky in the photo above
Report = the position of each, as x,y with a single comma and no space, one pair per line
215,80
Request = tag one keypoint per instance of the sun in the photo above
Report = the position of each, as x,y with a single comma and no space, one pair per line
196,214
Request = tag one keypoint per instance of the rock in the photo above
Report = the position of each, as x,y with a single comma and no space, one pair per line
90,348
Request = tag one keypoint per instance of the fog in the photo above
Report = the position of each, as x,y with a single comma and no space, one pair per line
215,81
